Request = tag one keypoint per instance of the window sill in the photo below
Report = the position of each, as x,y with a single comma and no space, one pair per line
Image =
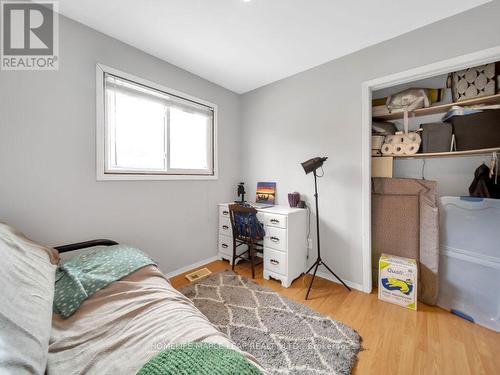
152,177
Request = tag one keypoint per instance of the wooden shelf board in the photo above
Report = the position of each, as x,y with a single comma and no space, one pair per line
483,151
441,108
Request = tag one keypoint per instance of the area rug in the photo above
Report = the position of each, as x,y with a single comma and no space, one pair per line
286,337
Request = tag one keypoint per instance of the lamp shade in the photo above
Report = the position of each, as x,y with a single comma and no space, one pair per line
313,164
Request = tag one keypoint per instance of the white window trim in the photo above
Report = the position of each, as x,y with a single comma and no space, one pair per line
101,174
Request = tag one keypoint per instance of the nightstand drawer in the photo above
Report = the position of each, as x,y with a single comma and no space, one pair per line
275,238
225,227
275,261
224,211
274,220
226,245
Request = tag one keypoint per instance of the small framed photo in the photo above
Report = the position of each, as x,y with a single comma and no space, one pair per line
266,192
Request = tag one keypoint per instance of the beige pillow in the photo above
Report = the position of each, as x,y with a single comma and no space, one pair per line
27,272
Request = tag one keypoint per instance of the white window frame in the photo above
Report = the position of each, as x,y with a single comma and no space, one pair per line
101,139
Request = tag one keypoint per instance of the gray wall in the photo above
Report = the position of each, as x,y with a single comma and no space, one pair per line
318,112
454,175
47,144
48,185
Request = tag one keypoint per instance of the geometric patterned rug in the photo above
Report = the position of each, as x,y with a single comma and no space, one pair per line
286,337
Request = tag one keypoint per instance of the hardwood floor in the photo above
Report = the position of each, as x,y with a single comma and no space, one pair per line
395,340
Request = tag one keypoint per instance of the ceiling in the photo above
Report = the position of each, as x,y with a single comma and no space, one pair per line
244,45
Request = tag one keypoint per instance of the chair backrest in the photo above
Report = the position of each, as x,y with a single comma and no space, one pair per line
245,223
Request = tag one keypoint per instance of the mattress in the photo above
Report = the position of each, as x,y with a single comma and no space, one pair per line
121,327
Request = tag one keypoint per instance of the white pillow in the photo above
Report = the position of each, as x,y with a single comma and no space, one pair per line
27,272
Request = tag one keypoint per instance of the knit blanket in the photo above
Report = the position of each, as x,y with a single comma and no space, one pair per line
199,358
83,275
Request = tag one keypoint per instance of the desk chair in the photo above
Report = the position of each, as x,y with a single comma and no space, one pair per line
246,231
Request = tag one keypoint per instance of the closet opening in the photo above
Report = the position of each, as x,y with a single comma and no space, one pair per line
431,179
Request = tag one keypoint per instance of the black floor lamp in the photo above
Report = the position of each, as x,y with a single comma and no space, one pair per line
309,166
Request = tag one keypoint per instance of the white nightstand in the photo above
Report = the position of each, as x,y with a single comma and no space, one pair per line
285,242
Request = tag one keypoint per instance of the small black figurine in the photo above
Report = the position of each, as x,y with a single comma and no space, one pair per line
241,191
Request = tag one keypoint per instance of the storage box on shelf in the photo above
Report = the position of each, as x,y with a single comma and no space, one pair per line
473,82
477,130
436,137
285,242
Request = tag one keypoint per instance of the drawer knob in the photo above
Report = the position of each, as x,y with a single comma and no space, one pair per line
274,261
224,246
225,212
274,221
225,227
274,239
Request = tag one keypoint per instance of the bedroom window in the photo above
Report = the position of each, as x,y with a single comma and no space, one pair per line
146,131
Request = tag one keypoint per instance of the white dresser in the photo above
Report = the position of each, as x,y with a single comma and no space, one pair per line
285,242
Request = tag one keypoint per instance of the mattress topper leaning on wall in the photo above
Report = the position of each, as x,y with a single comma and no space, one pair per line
405,223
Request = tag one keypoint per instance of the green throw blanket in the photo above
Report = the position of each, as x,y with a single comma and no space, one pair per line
199,359
84,274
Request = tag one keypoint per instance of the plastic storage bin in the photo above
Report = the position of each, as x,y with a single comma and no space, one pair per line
469,279
436,137
477,130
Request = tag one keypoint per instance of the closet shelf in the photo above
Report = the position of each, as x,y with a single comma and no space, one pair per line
483,151
441,108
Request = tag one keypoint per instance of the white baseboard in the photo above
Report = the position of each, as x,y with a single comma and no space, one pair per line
191,266
349,283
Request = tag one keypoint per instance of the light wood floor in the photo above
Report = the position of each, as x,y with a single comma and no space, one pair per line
395,340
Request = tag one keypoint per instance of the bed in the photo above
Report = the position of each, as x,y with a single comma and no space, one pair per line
122,326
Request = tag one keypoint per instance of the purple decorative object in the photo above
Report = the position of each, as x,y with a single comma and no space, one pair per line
293,199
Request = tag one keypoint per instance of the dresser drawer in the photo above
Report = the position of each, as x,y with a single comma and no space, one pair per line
225,226
275,261
275,238
226,245
224,211
273,220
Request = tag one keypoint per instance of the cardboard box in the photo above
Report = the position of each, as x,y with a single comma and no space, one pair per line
398,280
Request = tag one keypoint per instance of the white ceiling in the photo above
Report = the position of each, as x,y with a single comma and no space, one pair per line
244,45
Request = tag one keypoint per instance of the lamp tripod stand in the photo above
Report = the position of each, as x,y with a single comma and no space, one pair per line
319,261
